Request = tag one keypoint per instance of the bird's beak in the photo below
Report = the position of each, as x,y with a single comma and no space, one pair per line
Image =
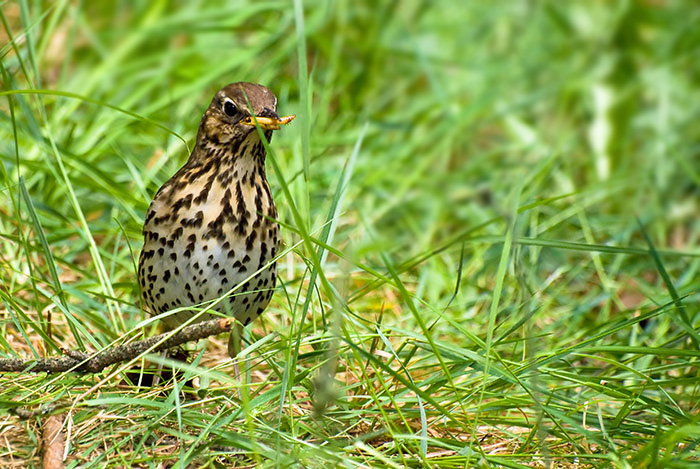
268,123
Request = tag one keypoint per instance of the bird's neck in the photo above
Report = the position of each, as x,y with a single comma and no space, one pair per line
241,158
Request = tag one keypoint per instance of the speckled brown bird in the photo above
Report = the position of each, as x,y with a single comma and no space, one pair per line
212,225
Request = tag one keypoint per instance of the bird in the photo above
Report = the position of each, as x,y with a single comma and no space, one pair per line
212,225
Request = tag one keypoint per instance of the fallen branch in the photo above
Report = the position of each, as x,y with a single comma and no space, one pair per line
87,363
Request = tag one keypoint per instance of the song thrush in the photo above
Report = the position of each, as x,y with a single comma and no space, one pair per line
212,225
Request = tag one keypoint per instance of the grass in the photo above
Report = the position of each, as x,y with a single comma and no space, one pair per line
490,211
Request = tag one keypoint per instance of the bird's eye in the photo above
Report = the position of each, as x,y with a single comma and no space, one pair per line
230,108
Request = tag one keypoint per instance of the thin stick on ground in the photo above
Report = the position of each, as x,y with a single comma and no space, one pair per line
53,441
86,363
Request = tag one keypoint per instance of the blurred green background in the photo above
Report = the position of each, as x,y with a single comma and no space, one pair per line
512,194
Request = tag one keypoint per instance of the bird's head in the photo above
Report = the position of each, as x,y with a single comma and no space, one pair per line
232,114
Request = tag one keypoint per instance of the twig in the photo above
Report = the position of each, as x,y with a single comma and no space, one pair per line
53,442
86,363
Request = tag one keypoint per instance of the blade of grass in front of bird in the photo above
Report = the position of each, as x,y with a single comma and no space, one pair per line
310,252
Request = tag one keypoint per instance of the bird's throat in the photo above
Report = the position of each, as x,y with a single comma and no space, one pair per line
245,156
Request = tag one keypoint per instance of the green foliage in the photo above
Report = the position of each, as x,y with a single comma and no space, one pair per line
490,208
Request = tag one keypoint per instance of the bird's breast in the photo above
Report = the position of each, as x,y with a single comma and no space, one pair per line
206,236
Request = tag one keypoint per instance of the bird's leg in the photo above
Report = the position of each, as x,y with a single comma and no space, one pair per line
234,347
159,368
